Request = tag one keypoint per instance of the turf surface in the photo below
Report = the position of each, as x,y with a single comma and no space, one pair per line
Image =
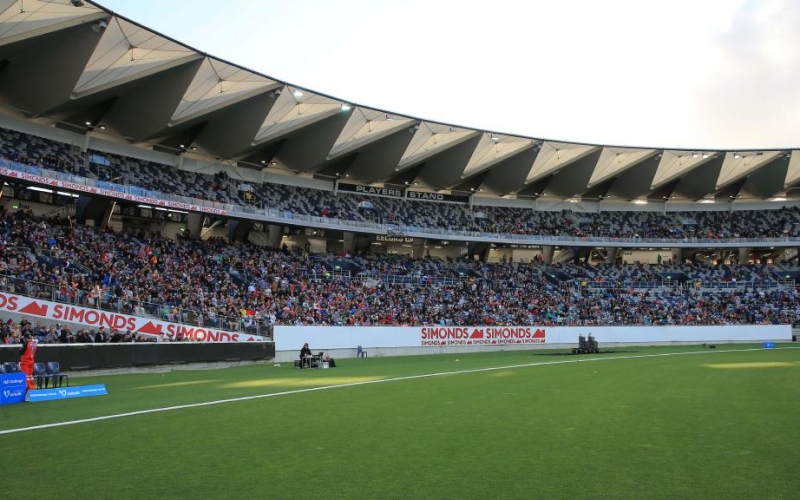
712,424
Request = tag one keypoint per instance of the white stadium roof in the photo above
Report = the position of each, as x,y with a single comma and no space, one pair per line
69,64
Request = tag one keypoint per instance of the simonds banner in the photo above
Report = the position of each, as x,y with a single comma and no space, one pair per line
96,318
288,338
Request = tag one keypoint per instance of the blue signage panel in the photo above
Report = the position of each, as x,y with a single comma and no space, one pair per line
81,391
768,345
12,388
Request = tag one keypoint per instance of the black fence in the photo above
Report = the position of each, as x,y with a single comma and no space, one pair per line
91,356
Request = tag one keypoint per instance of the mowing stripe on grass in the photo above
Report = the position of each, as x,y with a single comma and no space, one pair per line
366,382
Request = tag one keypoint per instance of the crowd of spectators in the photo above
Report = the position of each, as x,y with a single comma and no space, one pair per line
147,177
243,287
12,333
240,286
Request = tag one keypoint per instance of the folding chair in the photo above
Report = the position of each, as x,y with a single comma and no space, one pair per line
361,353
54,372
11,367
40,375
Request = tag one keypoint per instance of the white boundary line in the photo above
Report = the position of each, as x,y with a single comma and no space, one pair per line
354,384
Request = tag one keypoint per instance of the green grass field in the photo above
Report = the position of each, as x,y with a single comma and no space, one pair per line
713,424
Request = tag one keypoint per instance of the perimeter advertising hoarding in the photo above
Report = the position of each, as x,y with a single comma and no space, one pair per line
81,391
36,309
290,338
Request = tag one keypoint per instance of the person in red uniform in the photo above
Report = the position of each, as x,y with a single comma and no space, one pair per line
28,353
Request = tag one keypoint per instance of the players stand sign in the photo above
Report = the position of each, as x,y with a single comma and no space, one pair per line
12,388
487,335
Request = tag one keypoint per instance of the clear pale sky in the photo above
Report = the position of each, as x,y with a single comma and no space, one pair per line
680,73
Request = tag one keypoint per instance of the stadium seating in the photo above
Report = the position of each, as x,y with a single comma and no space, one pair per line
240,286
243,287
159,180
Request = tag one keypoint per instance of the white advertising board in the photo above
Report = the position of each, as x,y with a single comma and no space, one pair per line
290,338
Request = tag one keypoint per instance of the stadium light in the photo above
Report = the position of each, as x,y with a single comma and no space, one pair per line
76,3
298,93
694,154
705,155
737,155
346,107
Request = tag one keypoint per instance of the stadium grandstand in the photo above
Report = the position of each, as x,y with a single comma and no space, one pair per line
146,177
248,288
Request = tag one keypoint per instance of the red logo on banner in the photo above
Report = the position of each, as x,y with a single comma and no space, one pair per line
34,309
489,335
150,328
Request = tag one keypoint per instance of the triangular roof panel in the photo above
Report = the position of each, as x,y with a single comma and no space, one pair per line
218,84
556,155
128,52
674,163
793,174
366,126
22,19
613,161
293,109
430,139
494,148
739,164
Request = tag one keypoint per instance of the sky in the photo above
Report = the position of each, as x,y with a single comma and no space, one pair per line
698,74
